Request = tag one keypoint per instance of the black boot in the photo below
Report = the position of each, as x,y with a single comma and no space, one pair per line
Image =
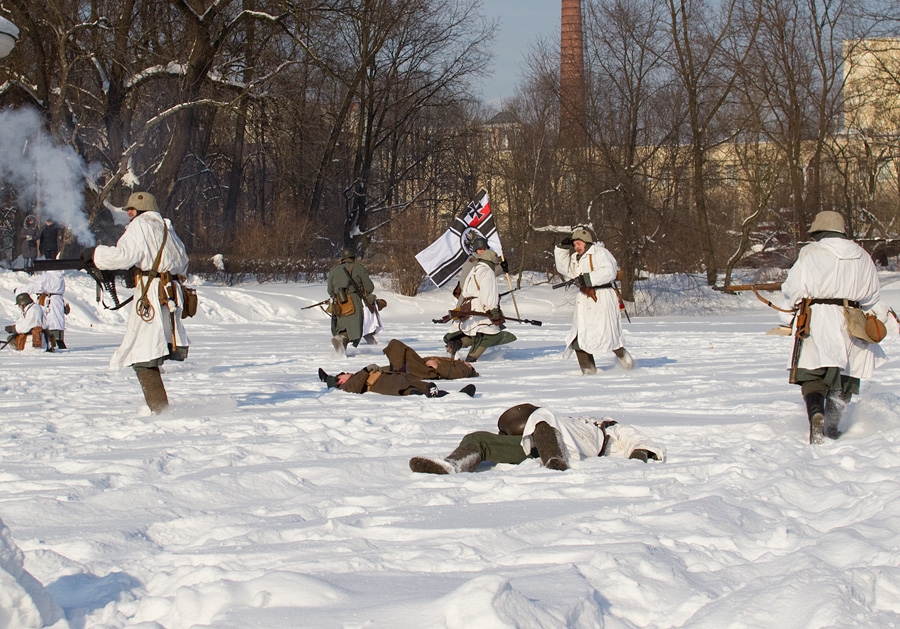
466,458
549,443
815,411
469,390
453,346
586,362
834,409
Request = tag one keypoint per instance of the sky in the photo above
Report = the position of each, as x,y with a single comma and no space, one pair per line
521,23
262,499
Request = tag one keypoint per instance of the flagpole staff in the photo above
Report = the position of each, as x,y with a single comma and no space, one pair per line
512,292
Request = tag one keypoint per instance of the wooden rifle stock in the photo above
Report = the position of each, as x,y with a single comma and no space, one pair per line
734,288
321,303
363,297
465,314
801,331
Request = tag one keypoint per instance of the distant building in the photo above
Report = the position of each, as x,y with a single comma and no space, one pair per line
872,86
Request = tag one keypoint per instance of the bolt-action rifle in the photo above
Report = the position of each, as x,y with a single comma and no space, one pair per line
735,288
321,303
363,297
801,331
106,280
577,281
465,314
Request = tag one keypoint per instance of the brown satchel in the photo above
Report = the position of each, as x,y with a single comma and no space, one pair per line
189,308
864,326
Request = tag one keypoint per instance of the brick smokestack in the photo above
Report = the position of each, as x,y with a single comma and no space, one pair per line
571,76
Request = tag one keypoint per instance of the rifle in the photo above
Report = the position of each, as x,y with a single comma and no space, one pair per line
321,303
106,280
465,314
362,295
801,331
773,286
734,288
570,282
508,292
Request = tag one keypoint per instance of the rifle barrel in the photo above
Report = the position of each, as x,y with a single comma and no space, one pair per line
66,264
734,288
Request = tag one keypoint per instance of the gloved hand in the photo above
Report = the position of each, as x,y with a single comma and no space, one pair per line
497,317
87,256
566,242
578,281
504,265
11,328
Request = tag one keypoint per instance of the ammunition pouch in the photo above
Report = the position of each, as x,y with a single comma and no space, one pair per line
343,308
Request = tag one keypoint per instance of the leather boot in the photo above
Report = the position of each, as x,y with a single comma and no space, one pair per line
339,342
466,458
153,388
586,362
475,354
550,447
815,411
624,358
834,409
453,346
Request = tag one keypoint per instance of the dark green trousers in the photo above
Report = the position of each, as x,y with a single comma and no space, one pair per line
497,448
827,380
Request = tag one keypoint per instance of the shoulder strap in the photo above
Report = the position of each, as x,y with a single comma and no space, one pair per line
154,271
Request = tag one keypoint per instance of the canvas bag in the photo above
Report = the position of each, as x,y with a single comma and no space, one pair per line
863,326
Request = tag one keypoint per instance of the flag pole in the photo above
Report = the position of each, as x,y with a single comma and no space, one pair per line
512,293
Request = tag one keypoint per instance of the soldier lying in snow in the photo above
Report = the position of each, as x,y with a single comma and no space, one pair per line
404,359
372,378
529,432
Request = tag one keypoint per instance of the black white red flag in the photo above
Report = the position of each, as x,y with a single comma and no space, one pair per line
443,258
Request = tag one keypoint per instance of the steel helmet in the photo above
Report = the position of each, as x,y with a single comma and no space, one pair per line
142,202
23,299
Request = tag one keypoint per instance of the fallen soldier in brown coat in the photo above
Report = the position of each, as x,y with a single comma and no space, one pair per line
372,378
404,359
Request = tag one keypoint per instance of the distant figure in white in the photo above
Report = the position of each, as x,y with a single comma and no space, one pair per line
155,332
50,287
527,431
597,323
218,261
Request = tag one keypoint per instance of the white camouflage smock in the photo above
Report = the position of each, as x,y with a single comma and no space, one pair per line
481,285
145,341
835,268
596,324
583,436
51,283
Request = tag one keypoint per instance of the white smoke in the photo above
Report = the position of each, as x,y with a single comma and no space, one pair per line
42,172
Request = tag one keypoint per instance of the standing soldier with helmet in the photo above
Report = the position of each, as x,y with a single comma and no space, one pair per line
832,277
155,332
596,324
354,311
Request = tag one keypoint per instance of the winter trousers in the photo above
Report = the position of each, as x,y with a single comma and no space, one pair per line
497,448
827,380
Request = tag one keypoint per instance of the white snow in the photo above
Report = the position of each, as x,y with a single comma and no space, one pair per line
261,499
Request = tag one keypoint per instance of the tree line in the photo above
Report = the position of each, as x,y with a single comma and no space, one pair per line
275,129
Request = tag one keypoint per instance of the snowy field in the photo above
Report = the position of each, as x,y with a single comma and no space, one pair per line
262,500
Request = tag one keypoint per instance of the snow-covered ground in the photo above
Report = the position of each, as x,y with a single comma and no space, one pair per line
262,500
